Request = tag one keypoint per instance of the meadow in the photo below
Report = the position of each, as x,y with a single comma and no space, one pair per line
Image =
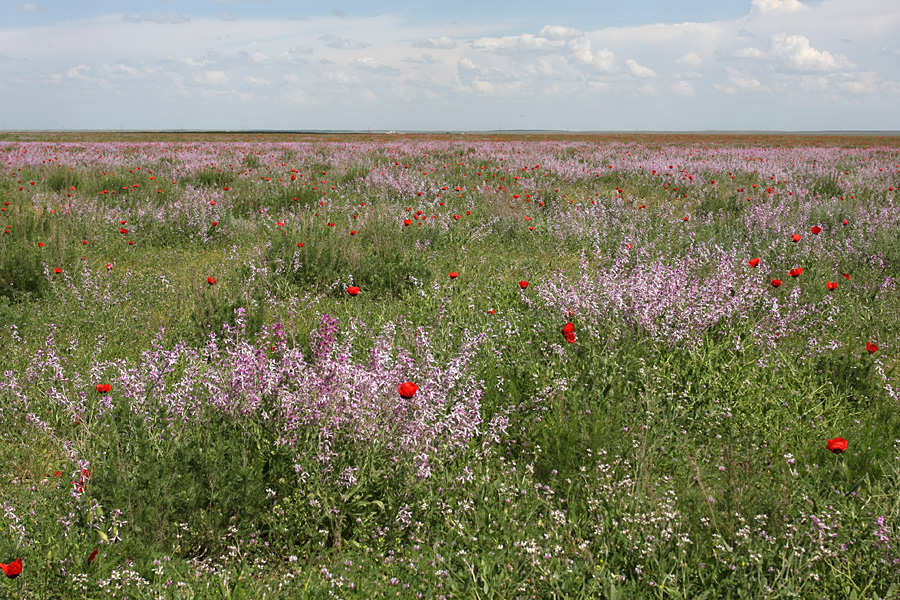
449,367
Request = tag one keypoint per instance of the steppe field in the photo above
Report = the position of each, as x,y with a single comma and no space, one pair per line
449,366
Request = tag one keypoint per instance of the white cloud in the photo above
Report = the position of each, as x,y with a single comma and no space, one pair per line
367,63
776,6
749,52
638,70
518,44
168,18
227,17
740,83
30,8
211,78
441,43
691,59
558,32
333,41
796,53
683,89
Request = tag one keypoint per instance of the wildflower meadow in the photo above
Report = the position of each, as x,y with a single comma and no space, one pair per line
449,367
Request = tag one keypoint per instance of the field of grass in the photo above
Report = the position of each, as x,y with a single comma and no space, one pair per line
612,399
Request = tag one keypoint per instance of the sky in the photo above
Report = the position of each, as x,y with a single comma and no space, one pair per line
461,65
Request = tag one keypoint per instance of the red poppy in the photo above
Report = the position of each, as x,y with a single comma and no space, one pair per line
215,223
57,270
13,569
40,244
687,218
353,290
753,262
795,272
211,280
407,222
846,275
816,230
796,237
837,445
568,331
108,267
352,232
830,286
454,275
846,222
93,556
523,284
122,230
407,389
300,244
872,348
103,388
776,282
492,311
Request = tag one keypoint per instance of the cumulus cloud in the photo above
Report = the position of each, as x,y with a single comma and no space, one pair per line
691,59
168,18
581,51
638,70
441,43
740,83
367,63
796,53
776,6
683,89
333,41
211,78
518,44
558,32
749,53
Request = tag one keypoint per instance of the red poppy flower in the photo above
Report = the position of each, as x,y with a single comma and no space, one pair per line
352,232
93,556
796,237
687,218
454,275
816,230
407,389
211,280
103,388
57,270
407,222
795,272
837,445
122,230
568,331
353,290
830,286
523,284
40,244
846,222
13,569
776,282
846,275
108,267
492,311
215,223
300,244
872,348
753,262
